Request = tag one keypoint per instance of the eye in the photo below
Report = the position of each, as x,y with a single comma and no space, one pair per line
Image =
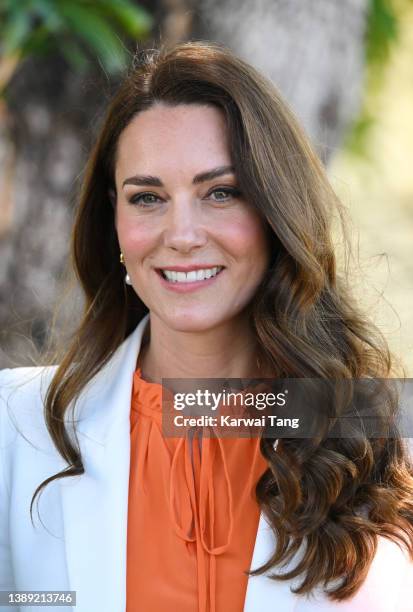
145,199
225,193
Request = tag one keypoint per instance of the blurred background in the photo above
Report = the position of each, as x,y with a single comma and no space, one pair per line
344,66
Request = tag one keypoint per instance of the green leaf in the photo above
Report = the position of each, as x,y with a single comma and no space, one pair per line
356,139
15,32
382,30
11,7
35,26
134,20
74,55
40,42
381,34
48,12
90,26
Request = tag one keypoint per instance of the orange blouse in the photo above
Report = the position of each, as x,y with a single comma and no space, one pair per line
192,521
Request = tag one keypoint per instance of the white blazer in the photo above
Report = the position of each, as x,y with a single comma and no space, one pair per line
81,545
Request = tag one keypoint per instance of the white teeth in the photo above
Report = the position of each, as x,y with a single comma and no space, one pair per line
190,276
193,275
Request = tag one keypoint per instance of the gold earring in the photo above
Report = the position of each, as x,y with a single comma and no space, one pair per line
121,258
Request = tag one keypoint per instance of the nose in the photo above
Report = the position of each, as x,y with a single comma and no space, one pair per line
184,230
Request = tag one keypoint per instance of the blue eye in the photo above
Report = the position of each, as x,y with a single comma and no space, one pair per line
229,192
139,200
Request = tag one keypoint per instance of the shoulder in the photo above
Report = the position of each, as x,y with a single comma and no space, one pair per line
388,586
391,572
22,394
25,384
10,377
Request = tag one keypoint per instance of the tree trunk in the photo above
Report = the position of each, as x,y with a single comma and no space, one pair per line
312,51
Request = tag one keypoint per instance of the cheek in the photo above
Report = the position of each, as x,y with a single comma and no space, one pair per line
134,238
246,237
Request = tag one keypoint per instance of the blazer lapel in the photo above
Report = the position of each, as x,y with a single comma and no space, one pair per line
259,588
264,594
94,505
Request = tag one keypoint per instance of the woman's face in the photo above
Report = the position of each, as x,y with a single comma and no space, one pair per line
194,249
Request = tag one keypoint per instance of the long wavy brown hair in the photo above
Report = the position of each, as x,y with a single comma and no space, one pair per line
335,495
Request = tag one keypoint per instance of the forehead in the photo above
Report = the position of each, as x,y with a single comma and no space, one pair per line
165,137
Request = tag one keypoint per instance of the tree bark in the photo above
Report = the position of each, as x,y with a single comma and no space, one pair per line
312,51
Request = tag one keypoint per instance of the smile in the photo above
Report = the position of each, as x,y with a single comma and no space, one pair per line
192,276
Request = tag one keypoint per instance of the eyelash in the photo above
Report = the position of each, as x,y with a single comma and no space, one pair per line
135,200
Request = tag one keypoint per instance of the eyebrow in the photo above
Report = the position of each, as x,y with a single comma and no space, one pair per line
155,181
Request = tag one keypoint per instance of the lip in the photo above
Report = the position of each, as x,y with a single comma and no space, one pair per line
190,268
186,287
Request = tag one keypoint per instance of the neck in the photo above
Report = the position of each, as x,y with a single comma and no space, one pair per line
226,351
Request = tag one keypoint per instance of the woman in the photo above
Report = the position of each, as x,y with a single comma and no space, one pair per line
202,243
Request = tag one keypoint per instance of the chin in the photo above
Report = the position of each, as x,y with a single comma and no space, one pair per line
193,321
